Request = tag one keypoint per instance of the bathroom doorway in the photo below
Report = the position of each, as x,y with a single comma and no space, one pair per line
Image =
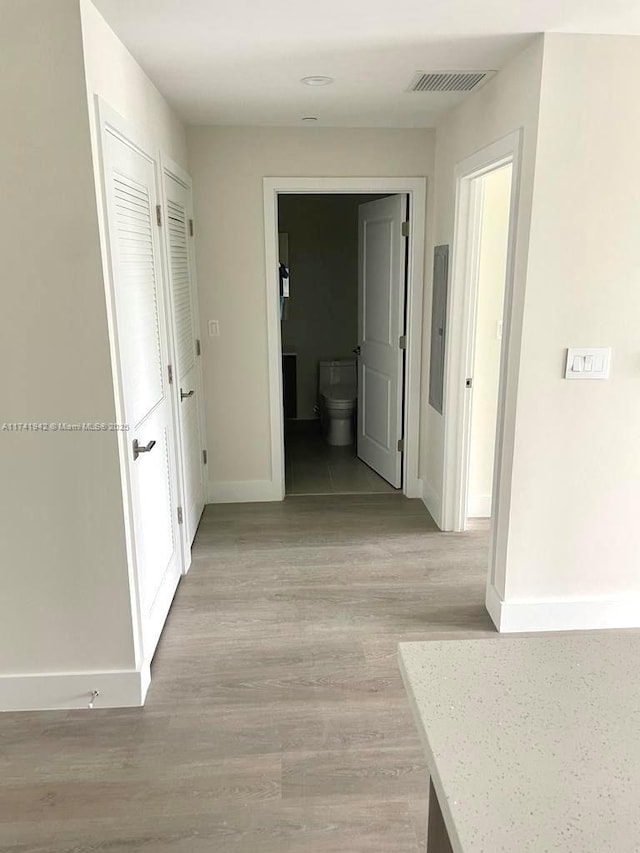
323,434
324,240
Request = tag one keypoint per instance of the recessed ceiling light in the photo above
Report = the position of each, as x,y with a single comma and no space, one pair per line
317,81
310,118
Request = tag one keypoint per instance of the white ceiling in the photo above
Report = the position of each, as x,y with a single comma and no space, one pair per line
240,61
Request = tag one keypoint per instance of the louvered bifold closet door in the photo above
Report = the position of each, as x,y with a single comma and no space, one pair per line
189,384
143,344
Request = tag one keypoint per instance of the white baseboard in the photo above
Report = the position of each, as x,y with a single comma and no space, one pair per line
432,501
563,614
61,691
243,491
479,506
493,603
413,488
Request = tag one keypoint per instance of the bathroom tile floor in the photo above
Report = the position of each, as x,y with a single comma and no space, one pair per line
312,467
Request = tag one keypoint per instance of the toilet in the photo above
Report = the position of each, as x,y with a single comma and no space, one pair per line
338,387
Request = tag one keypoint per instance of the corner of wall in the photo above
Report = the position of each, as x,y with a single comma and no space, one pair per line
130,92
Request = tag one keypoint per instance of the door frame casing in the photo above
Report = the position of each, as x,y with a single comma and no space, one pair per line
416,189
461,339
169,168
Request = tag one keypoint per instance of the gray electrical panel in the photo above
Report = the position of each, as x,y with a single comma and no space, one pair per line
438,326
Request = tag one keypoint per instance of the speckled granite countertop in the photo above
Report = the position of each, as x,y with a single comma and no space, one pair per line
533,743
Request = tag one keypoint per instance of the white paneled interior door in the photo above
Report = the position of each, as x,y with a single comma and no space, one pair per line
179,238
132,198
381,289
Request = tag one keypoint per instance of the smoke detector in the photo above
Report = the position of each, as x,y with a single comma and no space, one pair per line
449,81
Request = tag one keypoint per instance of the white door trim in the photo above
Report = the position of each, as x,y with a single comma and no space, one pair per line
172,169
416,189
460,343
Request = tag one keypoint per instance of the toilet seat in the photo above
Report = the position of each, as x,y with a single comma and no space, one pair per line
340,395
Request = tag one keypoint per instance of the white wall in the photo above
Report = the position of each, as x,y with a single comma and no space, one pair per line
64,598
492,267
321,316
576,473
113,74
228,165
509,102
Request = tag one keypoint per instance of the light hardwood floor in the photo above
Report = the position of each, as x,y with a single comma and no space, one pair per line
276,721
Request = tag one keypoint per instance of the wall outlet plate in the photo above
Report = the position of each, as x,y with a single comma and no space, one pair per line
588,363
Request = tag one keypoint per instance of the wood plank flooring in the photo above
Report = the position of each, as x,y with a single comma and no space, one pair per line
276,721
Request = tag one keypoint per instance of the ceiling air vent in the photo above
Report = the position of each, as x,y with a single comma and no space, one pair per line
448,81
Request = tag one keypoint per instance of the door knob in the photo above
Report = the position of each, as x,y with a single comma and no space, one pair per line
141,448
184,395
356,350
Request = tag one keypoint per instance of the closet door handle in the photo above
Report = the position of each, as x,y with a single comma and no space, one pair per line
141,448
356,351
183,395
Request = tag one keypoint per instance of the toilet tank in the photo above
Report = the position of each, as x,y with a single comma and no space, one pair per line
339,371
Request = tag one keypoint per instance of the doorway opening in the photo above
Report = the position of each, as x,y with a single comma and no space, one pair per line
342,269
344,292
478,429
490,270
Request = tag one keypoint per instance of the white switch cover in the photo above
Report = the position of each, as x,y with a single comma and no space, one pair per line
588,363
214,328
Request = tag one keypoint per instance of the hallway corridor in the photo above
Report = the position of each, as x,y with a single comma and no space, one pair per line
276,721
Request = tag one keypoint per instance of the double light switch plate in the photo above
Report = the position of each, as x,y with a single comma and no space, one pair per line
588,363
